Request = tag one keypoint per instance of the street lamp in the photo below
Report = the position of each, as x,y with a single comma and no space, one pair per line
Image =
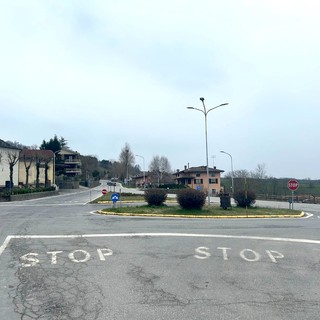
205,112
232,185
144,172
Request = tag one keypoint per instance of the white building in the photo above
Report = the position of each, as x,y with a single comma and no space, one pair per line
8,154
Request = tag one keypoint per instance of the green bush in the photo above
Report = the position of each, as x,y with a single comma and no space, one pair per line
155,197
191,199
244,198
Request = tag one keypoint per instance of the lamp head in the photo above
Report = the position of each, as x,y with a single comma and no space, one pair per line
202,99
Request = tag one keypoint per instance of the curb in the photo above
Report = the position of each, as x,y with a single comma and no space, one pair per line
282,216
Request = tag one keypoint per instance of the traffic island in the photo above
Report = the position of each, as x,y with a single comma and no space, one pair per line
213,212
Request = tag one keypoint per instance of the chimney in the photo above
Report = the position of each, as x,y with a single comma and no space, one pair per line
185,167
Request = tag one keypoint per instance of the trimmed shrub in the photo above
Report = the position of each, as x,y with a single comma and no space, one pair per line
155,197
191,199
244,198
30,190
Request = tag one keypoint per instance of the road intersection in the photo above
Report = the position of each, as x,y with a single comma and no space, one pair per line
59,261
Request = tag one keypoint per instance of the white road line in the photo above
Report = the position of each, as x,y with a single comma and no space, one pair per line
307,215
128,235
5,243
74,203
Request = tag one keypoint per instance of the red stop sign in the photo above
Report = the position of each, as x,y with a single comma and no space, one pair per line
104,191
293,185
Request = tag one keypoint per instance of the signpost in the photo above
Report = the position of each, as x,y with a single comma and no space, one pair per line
293,185
115,197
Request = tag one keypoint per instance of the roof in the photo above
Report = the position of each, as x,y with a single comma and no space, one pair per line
29,153
141,176
4,144
66,152
199,169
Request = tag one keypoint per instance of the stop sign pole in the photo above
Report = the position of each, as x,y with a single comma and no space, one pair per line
293,185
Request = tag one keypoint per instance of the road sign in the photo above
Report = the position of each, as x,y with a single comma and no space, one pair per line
115,197
293,185
104,191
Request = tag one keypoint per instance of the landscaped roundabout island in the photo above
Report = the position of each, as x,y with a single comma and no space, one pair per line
188,203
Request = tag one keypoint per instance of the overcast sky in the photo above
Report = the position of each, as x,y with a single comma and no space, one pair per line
105,73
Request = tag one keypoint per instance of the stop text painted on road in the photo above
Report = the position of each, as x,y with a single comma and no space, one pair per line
246,254
81,256
32,259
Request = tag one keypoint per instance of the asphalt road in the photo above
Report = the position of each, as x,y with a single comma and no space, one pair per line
60,260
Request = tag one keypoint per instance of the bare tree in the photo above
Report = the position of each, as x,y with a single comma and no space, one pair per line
46,162
127,159
42,160
115,169
13,158
28,158
159,166
39,159
260,171
242,173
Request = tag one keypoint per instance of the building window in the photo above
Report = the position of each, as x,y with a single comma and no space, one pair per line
198,181
198,174
212,174
213,181
189,181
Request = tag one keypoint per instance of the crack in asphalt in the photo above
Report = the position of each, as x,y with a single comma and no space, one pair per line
54,292
150,293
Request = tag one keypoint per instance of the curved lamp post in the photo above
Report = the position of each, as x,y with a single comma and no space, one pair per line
232,185
144,172
205,113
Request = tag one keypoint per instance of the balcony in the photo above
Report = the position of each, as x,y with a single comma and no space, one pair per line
73,171
72,161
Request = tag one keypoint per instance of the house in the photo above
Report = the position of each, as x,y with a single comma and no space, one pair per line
9,155
68,163
142,180
36,167
196,178
67,169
